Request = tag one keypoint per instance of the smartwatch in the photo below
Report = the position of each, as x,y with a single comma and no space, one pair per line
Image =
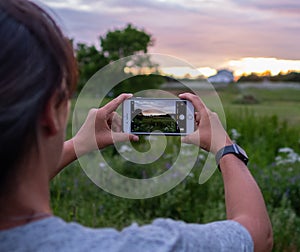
232,149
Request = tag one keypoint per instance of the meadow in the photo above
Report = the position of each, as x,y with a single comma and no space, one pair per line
267,126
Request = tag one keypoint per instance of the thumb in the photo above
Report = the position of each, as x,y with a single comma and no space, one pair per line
123,137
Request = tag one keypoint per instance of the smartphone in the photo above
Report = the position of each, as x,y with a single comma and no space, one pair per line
144,116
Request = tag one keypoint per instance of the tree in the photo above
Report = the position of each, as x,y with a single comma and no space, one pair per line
90,60
289,77
253,77
122,43
114,45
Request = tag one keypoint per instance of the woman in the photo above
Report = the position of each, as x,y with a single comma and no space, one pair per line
38,77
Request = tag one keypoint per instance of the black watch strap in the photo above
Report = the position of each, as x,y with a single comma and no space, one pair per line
232,149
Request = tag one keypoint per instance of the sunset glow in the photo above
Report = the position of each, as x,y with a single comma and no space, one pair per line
261,65
244,66
181,72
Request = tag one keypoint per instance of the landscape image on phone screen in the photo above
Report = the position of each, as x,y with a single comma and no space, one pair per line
167,116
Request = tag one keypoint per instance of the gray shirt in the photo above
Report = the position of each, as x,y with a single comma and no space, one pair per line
54,234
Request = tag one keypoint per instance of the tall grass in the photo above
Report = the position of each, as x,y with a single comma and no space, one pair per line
75,198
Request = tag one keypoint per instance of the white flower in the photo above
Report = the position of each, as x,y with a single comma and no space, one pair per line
235,134
102,166
287,156
201,157
125,148
191,175
286,150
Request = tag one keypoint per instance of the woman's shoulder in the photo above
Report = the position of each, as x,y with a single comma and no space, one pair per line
53,234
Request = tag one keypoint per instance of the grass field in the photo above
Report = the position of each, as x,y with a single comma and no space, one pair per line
269,131
284,103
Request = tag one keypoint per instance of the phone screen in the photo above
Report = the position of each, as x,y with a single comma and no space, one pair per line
165,115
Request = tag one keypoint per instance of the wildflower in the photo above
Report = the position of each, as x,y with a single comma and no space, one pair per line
235,134
191,175
102,165
168,165
287,156
201,157
125,148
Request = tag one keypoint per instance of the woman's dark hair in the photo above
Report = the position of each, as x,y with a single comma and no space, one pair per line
35,60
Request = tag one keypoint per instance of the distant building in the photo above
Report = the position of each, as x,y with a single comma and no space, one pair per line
223,76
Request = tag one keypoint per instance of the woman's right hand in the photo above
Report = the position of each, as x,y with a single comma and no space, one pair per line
102,128
210,135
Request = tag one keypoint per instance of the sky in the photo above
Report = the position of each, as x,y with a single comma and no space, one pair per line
150,106
242,35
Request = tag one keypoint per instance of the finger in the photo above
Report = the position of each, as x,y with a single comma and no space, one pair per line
123,137
115,103
195,100
112,117
193,138
116,122
185,139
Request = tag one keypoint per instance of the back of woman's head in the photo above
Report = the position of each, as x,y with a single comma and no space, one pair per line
35,59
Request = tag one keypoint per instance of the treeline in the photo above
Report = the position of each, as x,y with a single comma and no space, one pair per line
289,77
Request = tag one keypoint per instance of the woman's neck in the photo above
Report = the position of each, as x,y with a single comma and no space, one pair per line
27,199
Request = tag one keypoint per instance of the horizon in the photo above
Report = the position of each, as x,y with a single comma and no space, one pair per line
244,37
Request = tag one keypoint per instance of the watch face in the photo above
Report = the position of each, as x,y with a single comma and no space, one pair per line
241,151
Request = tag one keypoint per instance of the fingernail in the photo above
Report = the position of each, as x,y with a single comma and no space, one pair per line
135,138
